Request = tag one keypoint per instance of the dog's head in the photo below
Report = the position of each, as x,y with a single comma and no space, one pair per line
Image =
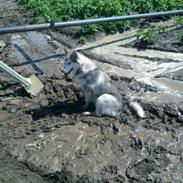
76,64
71,64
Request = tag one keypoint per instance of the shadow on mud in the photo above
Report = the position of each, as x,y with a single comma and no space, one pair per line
61,107
12,90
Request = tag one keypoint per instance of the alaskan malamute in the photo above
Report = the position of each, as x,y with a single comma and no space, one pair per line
97,87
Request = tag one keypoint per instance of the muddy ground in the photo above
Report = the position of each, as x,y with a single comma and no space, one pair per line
46,138
165,41
49,138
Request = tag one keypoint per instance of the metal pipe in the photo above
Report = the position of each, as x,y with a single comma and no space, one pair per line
53,25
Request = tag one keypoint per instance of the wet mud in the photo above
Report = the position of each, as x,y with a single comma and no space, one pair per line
165,41
50,137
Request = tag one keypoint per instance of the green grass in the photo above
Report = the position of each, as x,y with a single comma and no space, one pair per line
147,35
180,38
179,20
63,10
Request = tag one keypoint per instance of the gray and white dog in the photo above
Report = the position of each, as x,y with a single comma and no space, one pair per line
97,87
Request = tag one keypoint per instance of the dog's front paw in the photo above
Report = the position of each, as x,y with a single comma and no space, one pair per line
86,113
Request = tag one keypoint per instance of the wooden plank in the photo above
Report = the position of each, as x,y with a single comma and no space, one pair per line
147,54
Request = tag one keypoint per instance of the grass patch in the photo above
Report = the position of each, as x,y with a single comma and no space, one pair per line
64,10
180,38
147,36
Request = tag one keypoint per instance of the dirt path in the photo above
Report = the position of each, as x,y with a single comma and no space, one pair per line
46,139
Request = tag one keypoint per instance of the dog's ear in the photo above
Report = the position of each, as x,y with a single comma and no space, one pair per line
75,53
66,52
74,56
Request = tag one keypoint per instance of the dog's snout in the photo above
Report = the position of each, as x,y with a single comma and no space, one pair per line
62,69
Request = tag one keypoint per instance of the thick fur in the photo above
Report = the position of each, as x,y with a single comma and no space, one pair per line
97,86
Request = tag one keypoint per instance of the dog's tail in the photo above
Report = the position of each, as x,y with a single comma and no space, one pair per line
137,108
